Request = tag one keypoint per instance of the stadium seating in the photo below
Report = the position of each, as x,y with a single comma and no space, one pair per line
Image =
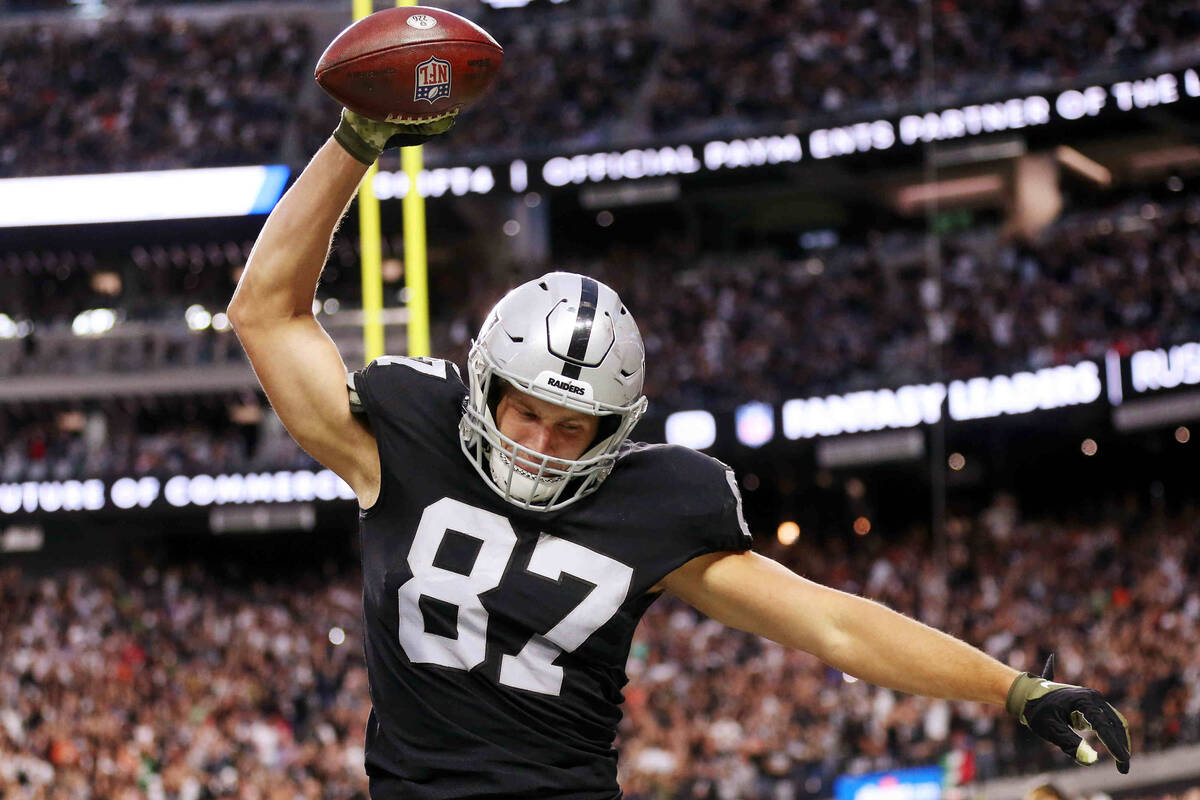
868,313
163,674
156,94
196,678
585,77
784,60
145,436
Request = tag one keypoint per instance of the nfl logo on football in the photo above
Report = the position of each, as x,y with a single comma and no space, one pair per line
433,79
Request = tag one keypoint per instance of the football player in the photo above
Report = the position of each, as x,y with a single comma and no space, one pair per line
512,536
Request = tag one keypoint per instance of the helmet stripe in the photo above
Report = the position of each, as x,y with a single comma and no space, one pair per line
588,294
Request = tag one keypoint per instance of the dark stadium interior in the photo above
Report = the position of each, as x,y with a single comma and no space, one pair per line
175,646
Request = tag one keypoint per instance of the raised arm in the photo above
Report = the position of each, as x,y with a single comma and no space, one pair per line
296,362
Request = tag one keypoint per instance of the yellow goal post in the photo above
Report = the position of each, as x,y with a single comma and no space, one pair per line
415,263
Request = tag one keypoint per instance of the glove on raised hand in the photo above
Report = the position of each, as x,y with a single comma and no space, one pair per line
366,138
1052,709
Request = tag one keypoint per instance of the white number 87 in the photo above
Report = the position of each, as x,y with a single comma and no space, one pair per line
532,668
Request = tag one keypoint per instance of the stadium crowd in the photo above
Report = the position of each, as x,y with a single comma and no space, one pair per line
733,327
189,681
870,312
183,681
562,81
739,63
875,314
145,436
165,93
121,95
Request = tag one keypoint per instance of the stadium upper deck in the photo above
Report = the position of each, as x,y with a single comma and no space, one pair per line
159,86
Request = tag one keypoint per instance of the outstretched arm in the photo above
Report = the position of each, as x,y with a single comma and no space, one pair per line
858,636
870,641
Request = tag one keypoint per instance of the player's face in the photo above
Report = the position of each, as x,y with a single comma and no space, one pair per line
544,427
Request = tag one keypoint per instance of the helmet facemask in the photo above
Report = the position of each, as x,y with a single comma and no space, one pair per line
525,477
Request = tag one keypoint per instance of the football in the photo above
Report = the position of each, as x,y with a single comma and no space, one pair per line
409,64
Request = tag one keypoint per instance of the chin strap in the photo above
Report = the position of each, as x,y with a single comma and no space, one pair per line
525,486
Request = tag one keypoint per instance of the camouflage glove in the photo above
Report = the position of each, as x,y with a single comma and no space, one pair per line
1051,710
365,138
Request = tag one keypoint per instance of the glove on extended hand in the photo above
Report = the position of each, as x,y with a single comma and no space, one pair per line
365,138
1051,710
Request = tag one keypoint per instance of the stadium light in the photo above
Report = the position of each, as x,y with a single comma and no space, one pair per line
755,424
1077,162
197,318
139,196
915,197
694,429
94,322
22,539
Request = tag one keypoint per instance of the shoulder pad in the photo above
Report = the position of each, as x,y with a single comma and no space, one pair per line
435,367
356,403
392,385
695,495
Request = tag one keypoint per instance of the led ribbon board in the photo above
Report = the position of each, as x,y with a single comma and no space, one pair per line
140,196
920,783
944,124
178,491
238,191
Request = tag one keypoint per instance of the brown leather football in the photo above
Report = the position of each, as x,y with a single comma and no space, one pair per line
409,64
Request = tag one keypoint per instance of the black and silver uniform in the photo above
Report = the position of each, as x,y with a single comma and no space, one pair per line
496,638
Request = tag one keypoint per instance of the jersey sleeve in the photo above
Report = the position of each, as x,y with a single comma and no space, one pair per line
716,510
733,525
413,406
696,494
686,503
394,387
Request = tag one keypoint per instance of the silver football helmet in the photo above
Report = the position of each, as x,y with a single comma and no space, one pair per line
568,340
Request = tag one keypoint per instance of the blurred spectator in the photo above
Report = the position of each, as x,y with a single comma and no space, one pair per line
788,59
174,684
723,328
122,95
182,682
607,78
149,436
167,93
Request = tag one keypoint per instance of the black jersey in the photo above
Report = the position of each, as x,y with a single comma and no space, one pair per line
496,638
